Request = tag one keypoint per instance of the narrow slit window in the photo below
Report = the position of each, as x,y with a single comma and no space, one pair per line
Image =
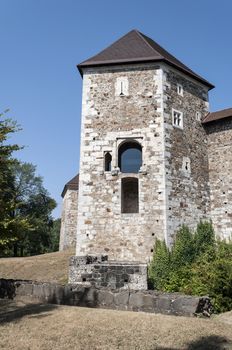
198,116
108,161
121,87
186,165
130,195
180,90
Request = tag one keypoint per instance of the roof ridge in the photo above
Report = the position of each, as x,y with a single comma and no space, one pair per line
143,38
107,47
159,47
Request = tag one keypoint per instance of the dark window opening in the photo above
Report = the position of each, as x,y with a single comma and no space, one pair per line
108,160
130,157
130,195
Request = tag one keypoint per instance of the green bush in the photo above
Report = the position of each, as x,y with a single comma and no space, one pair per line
183,249
160,265
204,238
197,264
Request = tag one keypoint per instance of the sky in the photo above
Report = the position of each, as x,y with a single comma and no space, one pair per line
42,41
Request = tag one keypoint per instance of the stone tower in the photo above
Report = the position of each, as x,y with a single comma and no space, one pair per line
218,126
143,162
69,214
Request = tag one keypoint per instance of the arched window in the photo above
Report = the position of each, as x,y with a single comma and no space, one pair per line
130,157
130,195
107,160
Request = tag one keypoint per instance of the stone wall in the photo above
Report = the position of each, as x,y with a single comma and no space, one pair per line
219,135
99,272
186,160
108,120
69,219
79,295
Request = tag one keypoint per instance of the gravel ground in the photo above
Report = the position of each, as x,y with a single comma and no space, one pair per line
30,326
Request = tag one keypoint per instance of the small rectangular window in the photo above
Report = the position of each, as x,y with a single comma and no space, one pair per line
180,90
177,119
198,116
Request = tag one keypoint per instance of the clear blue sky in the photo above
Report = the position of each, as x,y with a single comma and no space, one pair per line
41,42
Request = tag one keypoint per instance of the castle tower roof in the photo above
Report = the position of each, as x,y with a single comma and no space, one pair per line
214,116
135,47
73,184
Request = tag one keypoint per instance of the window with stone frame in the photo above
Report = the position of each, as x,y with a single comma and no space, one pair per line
180,89
130,157
177,119
130,195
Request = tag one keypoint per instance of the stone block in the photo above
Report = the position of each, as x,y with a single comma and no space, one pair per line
163,304
136,301
38,291
25,289
121,298
185,304
105,298
149,302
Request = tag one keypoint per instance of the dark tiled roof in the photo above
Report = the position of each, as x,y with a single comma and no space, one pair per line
224,113
137,47
73,184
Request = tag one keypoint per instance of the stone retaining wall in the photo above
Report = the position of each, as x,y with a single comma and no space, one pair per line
118,299
99,272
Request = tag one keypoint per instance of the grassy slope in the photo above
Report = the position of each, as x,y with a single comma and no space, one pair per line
52,267
45,327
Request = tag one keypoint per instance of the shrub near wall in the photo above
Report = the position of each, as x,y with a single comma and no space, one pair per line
197,264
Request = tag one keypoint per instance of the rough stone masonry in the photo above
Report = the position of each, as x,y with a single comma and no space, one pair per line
90,296
152,156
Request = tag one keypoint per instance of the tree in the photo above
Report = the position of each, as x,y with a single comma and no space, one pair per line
32,206
55,235
25,205
7,127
